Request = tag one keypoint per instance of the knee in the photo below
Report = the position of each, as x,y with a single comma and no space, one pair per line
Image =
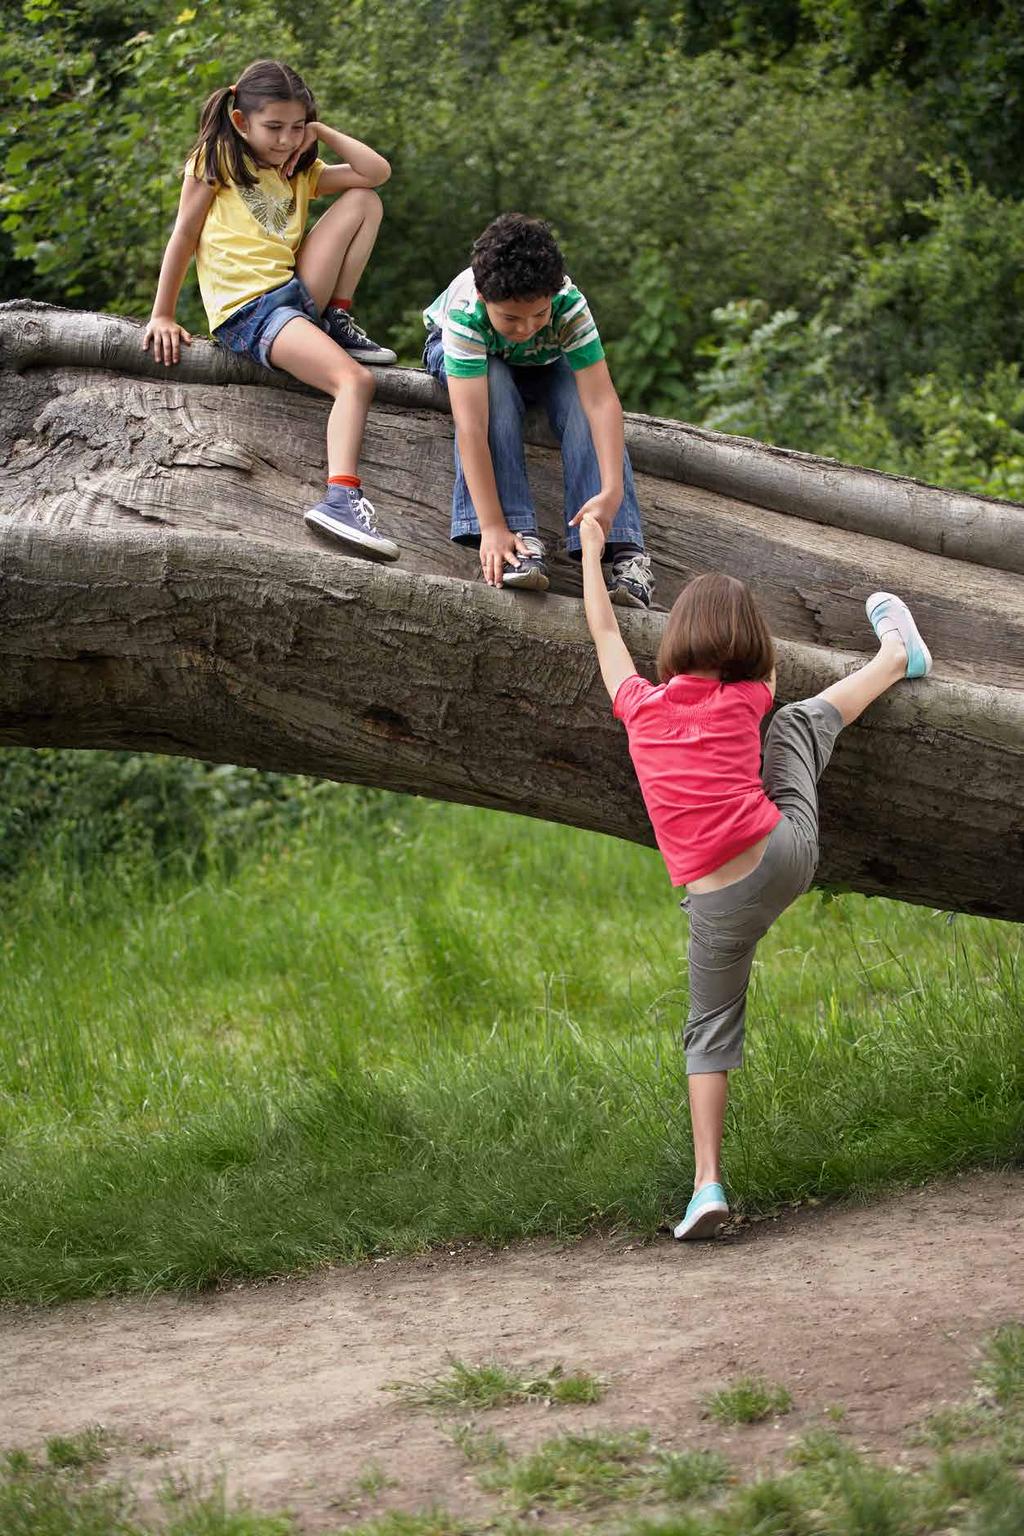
367,201
355,383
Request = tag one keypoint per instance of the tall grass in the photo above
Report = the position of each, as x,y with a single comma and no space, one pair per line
386,1023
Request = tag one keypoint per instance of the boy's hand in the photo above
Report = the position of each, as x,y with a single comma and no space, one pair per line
592,534
166,335
602,507
498,547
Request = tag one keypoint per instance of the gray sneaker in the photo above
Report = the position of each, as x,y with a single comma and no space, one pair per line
629,581
347,515
529,574
340,327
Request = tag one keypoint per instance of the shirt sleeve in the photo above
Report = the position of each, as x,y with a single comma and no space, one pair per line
465,347
314,173
577,332
629,695
195,166
759,696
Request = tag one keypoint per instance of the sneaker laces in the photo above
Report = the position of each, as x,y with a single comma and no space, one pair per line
632,568
534,546
365,513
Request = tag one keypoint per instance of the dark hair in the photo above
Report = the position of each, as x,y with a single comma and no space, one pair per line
220,153
517,257
716,626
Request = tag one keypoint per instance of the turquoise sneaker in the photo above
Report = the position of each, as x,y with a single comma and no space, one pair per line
888,614
706,1212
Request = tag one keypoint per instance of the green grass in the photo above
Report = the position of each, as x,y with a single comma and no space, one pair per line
89,1448
493,1385
747,1401
575,1471
440,1023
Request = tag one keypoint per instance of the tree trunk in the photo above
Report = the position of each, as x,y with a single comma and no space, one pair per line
159,591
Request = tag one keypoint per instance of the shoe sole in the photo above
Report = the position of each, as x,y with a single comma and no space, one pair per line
625,599
365,544
381,359
705,1224
533,581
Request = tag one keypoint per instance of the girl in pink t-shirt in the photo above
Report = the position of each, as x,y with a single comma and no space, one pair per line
742,836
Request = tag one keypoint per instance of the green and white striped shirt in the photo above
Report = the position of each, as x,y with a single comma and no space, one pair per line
469,338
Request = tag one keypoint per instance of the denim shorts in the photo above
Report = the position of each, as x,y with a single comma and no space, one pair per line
251,330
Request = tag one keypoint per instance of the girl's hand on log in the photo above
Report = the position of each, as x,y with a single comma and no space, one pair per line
166,335
499,547
592,534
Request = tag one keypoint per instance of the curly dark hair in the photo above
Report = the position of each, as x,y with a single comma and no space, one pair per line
517,257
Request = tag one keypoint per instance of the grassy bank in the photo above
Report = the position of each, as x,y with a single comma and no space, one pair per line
390,1023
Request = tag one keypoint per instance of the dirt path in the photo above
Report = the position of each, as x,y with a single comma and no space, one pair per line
879,1310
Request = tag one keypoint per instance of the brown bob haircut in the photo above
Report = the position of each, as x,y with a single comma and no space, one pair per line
716,626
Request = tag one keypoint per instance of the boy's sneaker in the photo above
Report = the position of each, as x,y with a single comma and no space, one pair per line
629,580
888,614
529,574
340,327
347,515
706,1212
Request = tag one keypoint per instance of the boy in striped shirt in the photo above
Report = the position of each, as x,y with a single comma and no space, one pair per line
509,332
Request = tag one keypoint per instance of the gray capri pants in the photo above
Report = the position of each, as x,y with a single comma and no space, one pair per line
726,925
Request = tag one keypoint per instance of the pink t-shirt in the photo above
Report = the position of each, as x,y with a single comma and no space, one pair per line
696,747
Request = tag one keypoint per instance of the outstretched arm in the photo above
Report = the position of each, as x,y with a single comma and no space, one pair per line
615,661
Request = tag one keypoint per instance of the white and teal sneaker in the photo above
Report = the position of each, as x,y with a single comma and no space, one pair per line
889,615
706,1212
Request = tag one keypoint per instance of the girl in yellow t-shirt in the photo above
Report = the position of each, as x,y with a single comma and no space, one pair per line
269,293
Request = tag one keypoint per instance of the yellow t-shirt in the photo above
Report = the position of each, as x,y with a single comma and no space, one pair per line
250,237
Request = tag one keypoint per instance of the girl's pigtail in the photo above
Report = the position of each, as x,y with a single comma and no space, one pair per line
219,151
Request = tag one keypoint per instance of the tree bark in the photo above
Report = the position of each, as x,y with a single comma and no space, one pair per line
158,591
959,526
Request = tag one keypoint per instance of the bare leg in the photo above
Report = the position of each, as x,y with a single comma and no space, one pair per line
852,695
334,254
307,353
709,1094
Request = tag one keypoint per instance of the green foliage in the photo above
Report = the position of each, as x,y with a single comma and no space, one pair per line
70,814
753,222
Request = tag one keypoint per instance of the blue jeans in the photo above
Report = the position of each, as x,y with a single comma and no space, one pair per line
509,392
252,330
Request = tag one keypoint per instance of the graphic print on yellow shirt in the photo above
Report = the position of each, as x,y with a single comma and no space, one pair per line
271,207
248,242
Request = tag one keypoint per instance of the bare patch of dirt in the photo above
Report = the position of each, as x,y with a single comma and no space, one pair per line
879,1310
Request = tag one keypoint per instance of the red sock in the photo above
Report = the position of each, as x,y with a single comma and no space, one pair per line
340,304
344,480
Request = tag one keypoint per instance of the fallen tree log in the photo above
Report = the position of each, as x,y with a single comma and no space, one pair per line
158,591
